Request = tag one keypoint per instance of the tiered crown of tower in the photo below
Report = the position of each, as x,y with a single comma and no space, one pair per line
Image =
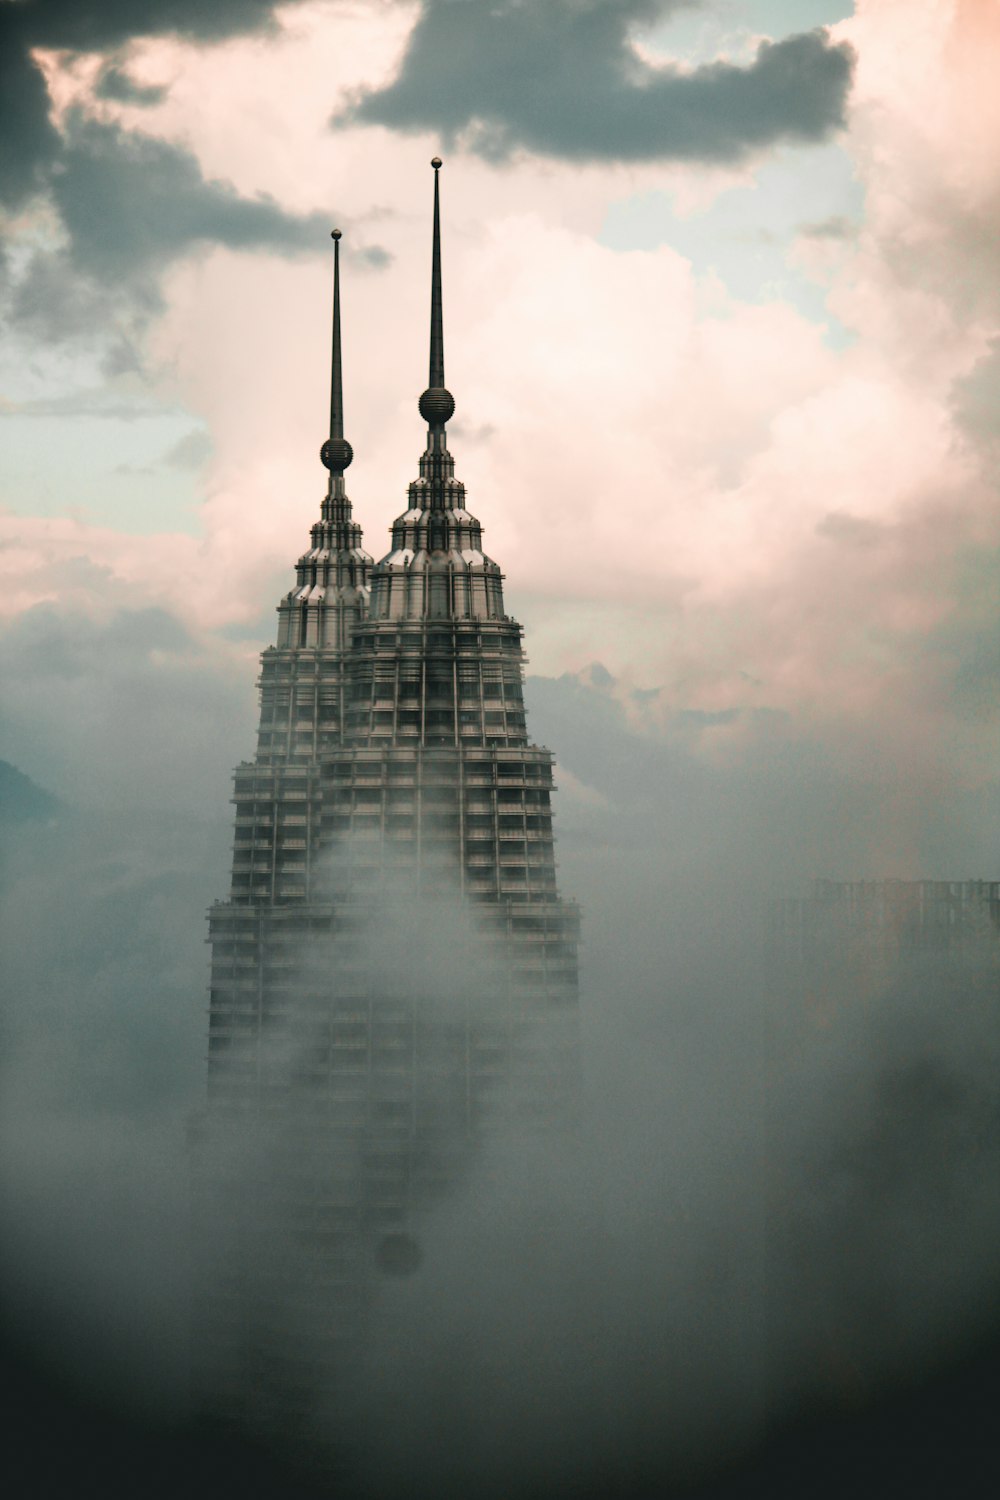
436,568
331,591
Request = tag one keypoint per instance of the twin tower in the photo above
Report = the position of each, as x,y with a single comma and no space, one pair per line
394,975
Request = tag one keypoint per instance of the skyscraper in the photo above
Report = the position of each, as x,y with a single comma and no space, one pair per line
394,975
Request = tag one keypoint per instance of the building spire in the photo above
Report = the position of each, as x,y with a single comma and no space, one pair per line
437,403
436,380
336,453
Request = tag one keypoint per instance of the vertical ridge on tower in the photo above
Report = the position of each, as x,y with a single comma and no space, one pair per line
395,802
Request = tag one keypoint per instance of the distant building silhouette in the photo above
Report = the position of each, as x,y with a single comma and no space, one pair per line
892,915
394,974
871,1124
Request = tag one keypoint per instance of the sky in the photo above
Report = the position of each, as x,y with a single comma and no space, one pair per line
722,323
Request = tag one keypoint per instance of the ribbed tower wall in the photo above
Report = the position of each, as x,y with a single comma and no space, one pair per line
394,975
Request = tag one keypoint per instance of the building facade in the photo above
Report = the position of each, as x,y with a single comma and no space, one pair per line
394,973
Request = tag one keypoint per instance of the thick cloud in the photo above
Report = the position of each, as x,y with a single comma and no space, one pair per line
102,900
122,710
101,918
572,1320
30,141
129,203
51,302
21,801
116,85
563,80
93,26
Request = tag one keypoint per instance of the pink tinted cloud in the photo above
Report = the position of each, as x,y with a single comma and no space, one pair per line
701,492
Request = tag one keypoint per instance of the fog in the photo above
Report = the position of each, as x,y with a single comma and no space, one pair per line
783,1195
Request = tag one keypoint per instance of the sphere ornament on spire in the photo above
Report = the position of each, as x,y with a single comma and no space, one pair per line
336,455
437,404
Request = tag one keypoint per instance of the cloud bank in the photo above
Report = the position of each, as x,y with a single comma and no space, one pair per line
126,204
33,145
562,79
779,1201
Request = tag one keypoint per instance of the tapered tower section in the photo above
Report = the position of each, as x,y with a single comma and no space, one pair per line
302,700
435,709
395,974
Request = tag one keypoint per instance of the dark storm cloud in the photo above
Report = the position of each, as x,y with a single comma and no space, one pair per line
90,25
29,141
50,301
562,79
116,85
130,203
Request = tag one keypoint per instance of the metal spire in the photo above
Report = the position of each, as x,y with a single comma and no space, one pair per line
436,380
335,453
437,403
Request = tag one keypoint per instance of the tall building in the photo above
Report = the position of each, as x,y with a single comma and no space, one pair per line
394,974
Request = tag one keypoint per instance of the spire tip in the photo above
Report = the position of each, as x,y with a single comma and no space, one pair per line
437,404
336,453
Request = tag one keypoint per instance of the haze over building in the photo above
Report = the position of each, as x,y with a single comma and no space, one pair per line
394,974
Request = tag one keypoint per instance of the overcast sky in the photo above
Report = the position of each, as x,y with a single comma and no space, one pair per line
722,322
721,293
